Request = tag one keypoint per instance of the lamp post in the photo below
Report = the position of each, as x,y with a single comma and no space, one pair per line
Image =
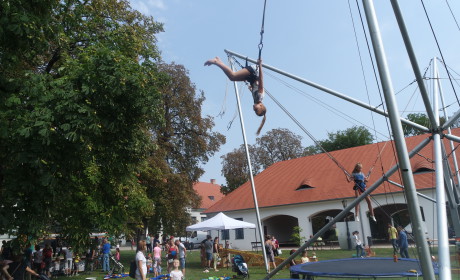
344,204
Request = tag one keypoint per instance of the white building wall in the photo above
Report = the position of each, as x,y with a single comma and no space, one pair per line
303,213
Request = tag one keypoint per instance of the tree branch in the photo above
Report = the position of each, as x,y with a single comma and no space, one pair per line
54,59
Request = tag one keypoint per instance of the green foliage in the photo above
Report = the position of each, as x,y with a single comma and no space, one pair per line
343,139
235,167
296,236
419,118
76,111
184,143
276,145
96,133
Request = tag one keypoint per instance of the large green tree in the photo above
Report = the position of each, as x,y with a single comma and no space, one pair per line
78,100
184,143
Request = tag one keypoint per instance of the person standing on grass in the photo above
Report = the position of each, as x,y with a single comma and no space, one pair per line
403,243
393,237
215,252
276,246
105,256
157,258
141,261
149,245
359,245
182,253
172,254
208,247
269,251
47,258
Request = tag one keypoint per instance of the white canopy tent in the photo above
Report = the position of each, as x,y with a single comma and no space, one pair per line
220,222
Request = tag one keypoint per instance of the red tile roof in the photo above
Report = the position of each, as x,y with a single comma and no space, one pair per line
209,193
277,185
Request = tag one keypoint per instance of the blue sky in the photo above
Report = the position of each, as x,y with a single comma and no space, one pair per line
311,39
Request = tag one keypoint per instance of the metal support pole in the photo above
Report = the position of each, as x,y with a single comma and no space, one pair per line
451,120
346,210
452,186
413,61
451,144
419,194
253,186
344,204
443,237
330,91
451,192
452,137
400,144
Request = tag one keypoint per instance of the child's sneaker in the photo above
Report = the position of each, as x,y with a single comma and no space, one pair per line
356,218
373,219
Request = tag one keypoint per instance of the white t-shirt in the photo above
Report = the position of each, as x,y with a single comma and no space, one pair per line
56,266
181,250
176,275
357,240
141,257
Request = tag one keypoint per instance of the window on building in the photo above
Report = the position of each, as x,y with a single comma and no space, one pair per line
211,197
225,234
305,185
239,232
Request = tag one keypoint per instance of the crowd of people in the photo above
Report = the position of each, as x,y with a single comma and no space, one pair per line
174,253
53,258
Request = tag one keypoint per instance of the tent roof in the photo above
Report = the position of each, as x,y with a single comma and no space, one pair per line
220,222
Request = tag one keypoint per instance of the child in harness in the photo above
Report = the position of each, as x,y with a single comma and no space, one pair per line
251,74
360,186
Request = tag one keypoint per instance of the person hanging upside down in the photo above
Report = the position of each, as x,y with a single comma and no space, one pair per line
253,75
360,186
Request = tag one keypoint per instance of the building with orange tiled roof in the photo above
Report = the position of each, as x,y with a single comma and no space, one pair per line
210,194
307,191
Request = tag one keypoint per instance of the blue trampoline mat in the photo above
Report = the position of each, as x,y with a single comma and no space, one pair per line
370,267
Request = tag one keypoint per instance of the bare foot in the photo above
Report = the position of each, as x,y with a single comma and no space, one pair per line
212,61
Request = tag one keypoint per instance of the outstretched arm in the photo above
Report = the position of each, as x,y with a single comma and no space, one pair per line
261,77
349,178
240,75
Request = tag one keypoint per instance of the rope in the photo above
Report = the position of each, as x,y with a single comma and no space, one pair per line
262,30
439,49
328,107
386,119
223,108
307,132
367,92
452,13
376,79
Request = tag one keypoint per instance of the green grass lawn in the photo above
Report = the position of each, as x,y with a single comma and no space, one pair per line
194,271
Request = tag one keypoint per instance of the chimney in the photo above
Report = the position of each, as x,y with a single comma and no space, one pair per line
213,181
